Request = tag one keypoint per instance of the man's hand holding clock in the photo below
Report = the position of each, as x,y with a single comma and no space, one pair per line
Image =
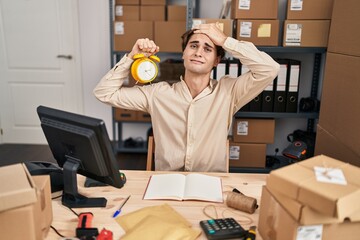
144,68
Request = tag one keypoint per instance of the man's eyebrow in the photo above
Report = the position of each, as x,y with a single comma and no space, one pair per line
206,44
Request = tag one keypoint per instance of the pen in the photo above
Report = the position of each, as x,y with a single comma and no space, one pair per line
117,212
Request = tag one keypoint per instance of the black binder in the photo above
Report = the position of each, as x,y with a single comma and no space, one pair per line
292,88
255,104
280,87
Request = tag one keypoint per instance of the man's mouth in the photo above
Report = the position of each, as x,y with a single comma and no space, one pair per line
196,61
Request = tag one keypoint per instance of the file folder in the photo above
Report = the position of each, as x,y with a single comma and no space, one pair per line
267,101
280,87
292,91
220,70
234,70
255,104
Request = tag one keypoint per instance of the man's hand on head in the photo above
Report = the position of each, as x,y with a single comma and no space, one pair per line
213,31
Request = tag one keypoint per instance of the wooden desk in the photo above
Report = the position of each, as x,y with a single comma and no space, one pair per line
66,222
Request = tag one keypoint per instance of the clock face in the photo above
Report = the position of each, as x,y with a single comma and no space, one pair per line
146,71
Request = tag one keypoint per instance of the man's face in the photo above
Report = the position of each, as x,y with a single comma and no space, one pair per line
200,54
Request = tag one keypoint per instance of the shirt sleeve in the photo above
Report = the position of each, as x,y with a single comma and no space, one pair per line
262,71
110,89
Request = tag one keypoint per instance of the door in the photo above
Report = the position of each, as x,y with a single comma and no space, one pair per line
39,64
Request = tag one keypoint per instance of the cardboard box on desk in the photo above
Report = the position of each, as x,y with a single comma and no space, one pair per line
25,209
247,154
255,9
127,32
301,183
275,223
306,33
309,9
260,32
248,130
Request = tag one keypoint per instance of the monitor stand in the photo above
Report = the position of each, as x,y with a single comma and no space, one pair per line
71,197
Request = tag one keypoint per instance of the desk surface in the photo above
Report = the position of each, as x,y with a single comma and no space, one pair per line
65,221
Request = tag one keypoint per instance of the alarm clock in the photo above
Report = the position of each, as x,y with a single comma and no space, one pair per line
144,69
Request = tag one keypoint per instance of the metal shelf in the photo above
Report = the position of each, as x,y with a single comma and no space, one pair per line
293,49
308,115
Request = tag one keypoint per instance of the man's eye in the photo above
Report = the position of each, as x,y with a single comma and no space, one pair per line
193,46
208,50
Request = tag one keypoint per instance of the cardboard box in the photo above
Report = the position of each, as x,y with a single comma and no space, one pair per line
226,25
143,116
127,32
153,2
345,28
127,12
259,32
152,13
248,130
330,145
26,208
306,33
340,102
176,13
127,2
309,9
125,115
301,183
254,9
306,215
247,154
169,42
275,223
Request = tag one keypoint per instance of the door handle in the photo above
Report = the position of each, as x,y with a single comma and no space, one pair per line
69,57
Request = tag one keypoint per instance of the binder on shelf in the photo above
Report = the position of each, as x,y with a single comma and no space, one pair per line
292,88
220,70
255,104
234,70
267,101
280,87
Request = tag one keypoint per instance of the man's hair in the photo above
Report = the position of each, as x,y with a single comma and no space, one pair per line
220,52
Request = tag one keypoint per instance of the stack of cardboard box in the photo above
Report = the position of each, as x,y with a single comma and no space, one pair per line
25,204
134,19
307,23
318,198
250,136
338,131
256,21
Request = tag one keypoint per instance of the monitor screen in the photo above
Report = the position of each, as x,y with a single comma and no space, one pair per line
80,144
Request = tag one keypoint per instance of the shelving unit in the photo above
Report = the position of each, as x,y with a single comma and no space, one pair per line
317,54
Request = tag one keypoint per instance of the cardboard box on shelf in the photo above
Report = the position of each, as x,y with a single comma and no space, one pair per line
127,2
152,2
26,201
226,25
345,28
309,9
247,154
176,13
275,223
143,116
259,32
166,41
152,13
252,130
125,115
127,12
330,186
306,33
340,95
127,32
255,9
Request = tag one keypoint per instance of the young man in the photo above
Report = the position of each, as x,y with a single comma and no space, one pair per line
191,118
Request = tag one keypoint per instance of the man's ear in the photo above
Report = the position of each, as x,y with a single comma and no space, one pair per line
217,61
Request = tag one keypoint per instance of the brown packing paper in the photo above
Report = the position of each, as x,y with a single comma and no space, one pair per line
154,228
145,221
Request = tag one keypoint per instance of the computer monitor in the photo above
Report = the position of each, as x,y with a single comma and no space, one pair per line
80,144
